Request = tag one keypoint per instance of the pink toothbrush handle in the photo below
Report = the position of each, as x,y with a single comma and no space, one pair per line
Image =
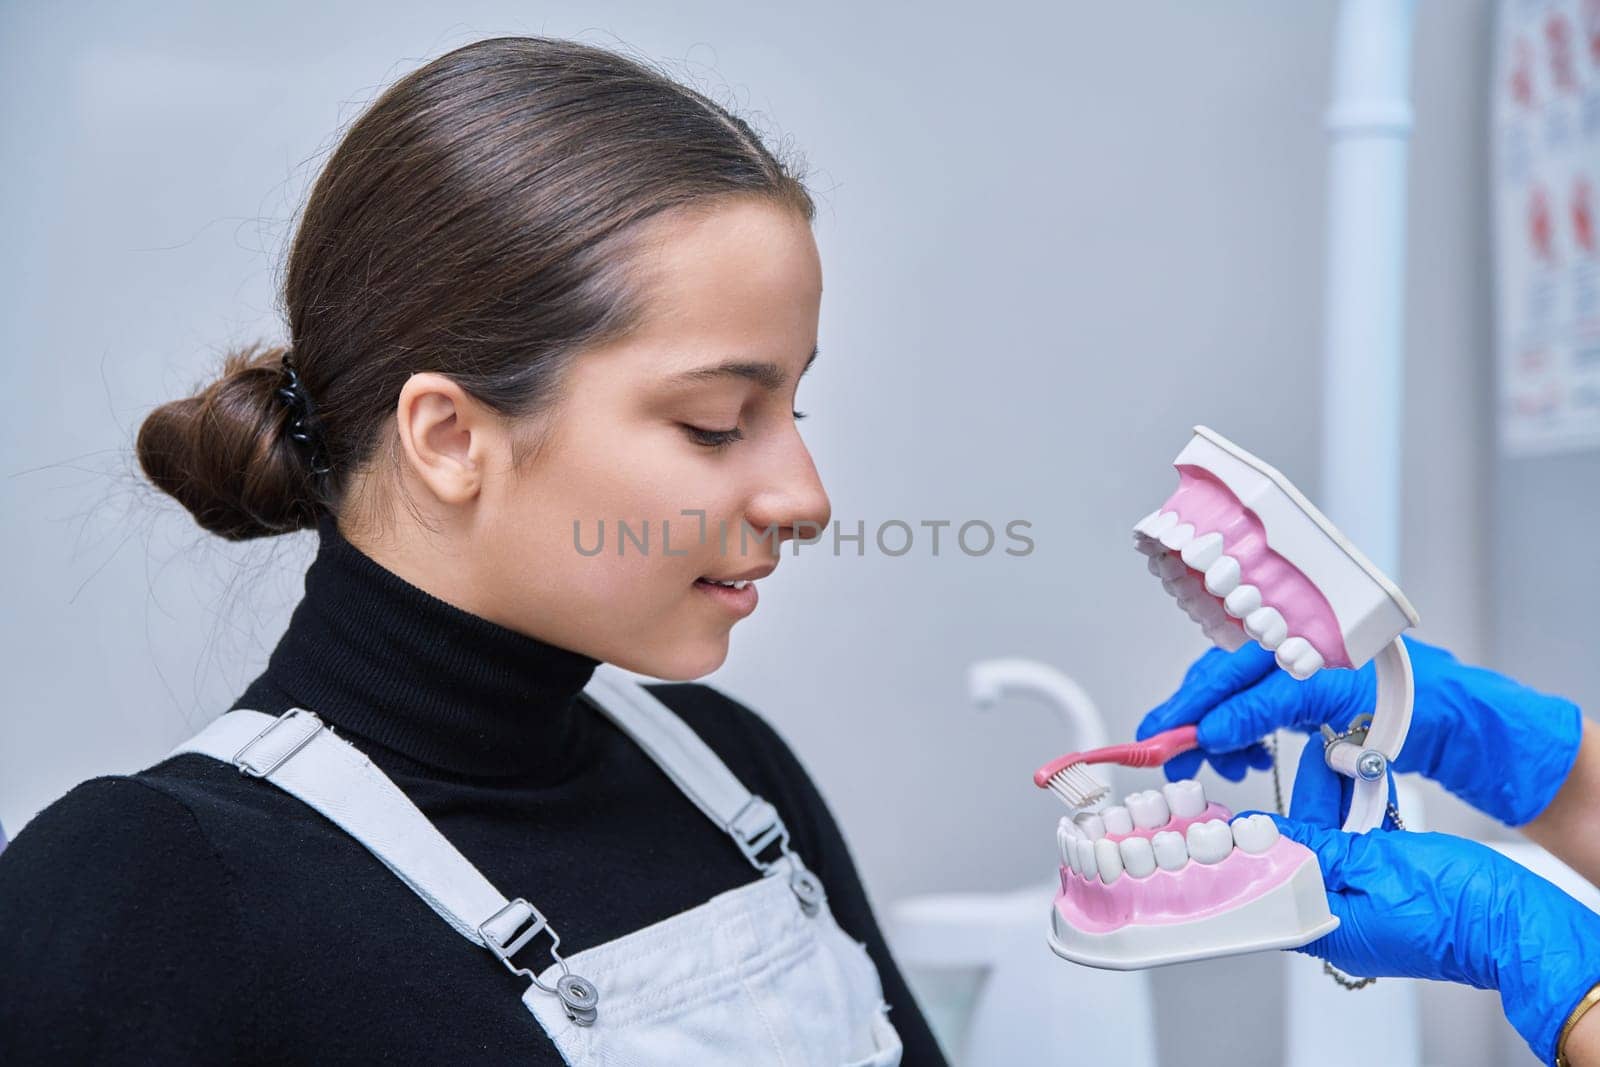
1151,751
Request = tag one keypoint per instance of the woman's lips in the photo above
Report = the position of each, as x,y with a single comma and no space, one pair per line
739,601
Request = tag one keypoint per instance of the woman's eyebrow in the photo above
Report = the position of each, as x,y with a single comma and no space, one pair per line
769,376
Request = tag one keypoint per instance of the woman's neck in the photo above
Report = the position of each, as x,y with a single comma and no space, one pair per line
381,658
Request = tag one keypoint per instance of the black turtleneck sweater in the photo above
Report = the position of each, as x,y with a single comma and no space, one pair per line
188,913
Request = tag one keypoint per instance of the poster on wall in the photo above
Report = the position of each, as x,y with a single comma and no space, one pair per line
1545,111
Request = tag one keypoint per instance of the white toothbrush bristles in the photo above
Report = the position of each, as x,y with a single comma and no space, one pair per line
1076,787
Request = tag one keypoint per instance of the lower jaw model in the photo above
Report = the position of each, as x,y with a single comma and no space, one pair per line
1164,877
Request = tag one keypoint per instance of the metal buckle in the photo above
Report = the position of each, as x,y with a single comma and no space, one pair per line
756,843
578,996
246,768
807,887
504,952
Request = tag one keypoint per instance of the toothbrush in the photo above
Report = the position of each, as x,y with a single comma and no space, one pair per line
1069,779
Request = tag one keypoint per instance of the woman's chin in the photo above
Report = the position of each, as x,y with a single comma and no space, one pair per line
682,662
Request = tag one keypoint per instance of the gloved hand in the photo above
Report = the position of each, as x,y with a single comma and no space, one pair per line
1500,746
1436,906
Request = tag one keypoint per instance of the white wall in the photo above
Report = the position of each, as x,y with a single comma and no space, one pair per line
1054,236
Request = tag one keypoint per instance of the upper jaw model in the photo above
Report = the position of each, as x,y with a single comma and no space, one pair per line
1164,877
1247,556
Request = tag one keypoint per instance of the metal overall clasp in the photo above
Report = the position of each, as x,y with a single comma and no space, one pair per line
756,828
579,998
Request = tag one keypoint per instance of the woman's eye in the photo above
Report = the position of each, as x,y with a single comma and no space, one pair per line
720,438
713,438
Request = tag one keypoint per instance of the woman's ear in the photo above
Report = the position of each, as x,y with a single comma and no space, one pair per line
448,439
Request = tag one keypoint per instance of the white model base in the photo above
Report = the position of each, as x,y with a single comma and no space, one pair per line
1289,915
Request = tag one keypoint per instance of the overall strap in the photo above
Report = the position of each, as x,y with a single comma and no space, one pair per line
299,754
697,771
752,822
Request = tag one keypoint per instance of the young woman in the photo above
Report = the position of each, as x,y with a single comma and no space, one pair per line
538,290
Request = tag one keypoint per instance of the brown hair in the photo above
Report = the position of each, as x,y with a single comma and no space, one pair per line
477,220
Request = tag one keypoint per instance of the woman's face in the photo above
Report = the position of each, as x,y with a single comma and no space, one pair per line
598,543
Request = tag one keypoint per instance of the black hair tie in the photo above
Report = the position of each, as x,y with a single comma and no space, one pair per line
304,426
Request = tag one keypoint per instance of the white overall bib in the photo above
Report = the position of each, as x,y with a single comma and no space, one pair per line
760,974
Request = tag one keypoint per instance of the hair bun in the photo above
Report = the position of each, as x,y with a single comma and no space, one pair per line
226,455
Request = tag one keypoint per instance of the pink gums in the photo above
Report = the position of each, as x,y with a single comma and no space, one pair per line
1195,892
1178,823
1210,507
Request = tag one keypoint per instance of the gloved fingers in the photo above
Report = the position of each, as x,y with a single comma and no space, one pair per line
1211,679
1282,701
1319,795
1278,700
1235,765
1184,765
1230,765
1421,650
1330,944
1331,846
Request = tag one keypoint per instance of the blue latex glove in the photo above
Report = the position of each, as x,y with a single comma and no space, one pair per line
1436,906
1500,746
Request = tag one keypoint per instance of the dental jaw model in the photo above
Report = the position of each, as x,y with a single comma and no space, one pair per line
1164,877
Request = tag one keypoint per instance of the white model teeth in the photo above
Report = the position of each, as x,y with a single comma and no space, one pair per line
1167,567
1092,825
1211,614
739,584
1292,649
1226,637
1297,657
1148,809
1185,799
1242,601
1169,851
1157,523
1255,833
1138,858
1067,838
1147,545
1185,588
1266,626
1196,571
1177,537
1209,841
1222,577
1202,552
1301,660
1117,820
1108,860
1307,665
1086,864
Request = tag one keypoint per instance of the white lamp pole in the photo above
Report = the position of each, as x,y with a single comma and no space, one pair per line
1369,123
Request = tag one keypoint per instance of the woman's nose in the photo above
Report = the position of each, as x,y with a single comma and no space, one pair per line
792,500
